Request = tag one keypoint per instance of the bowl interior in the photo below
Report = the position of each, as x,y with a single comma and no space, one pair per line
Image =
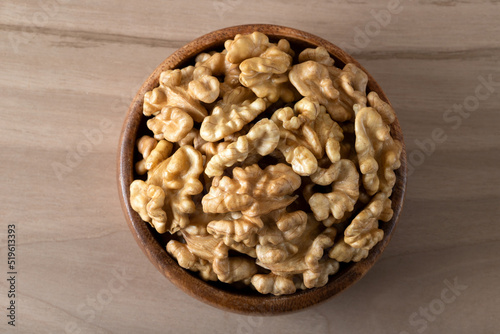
218,294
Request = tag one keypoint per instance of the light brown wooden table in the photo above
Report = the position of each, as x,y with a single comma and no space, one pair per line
68,71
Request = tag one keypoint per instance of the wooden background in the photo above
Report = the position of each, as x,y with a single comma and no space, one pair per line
70,68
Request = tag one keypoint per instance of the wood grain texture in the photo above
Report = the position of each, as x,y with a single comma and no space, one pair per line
62,76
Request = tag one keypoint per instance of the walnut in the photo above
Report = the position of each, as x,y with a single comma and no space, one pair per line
285,46
154,101
363,231
194,139
262,138
233,137
312,80
266,75
273,284
208,255
242,233
275,238
188,260
177,177
273,253
197,252
329,134
252,191
183,89
292,224
198,222
316,279
246,46
345,191
315,252
204,86
144,145
300,157
342,252
209,150
241,229
161,152
319,55
237,108
352,82
307,111
234,268
171,124
148,201
299,143
378,153
307,259
384,109
221,67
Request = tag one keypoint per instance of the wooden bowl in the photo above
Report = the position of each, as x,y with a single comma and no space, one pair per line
223,295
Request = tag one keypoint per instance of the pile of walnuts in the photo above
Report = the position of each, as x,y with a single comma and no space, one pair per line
269,167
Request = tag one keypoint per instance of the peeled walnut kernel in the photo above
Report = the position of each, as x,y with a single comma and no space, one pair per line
276,238
188,260
236,230
342,252
363,232
307,259
298,143
273,284
262,138
266,75
384,109
204,86
378,153
160,153
171,124
312,80
307,111
292,224
193,138
144,145
231,269
329,133
177,177
221,67
154,101
352,82
148,200
237,108
246,46
252,191
184,89
319,55
345,191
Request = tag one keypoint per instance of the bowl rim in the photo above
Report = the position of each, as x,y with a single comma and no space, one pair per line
189,283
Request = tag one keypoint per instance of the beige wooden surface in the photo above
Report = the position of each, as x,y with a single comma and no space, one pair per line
69,69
